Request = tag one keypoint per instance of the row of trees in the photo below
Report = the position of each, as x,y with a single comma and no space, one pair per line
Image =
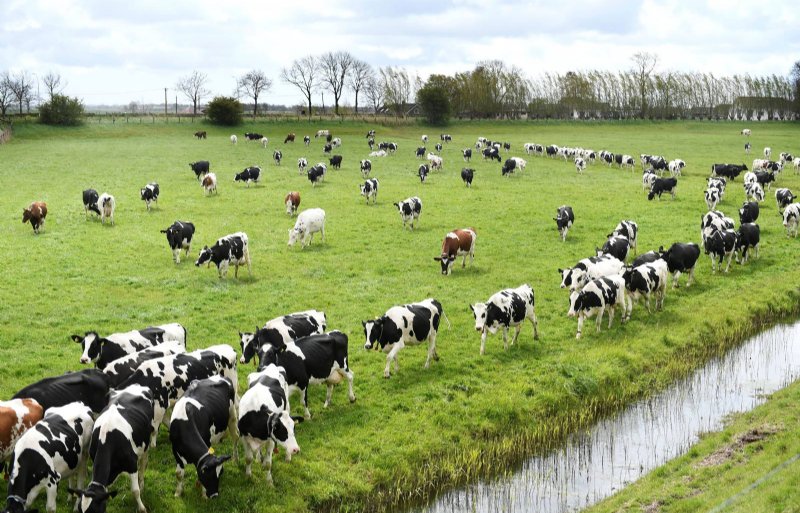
17,90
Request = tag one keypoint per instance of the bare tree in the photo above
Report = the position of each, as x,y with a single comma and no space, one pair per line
643,65
6,94
252,84
53,83
193,87
304,75
335,68
374,90
21,86
360,73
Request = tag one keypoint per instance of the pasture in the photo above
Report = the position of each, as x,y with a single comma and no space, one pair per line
465,416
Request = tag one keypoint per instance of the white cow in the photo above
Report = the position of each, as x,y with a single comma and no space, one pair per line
234,139
107,205
308,223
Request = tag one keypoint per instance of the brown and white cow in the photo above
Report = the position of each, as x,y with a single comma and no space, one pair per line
210,183
35,213
16,417
455,244
289,138
292,201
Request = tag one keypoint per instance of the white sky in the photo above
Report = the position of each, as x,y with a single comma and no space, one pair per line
115,52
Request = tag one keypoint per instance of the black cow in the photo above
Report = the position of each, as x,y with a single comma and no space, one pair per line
423,171
662,185
551,150
765,178
231,249
748,236
149,193
727,170
89,386
420,152
90,198
336,161
509,167
681,258
506,146
467,174
316,358
467,154
200,168
199,420
617,246
280,331
315,174
252,136
749,212
179,237
564,219
249,174
492,154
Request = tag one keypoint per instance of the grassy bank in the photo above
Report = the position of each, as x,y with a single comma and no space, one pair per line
750,466
467,415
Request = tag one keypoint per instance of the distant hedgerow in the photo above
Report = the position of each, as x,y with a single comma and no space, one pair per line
61,110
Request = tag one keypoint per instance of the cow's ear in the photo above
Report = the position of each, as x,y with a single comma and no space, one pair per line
77,338
471,307
364,324
560,270
222,459
75,491
661,249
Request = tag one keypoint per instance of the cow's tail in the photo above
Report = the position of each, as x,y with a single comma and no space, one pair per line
444,316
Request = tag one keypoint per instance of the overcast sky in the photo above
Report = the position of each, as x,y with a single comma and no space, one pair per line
114,52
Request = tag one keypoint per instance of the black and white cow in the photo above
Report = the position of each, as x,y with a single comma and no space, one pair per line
748,236
713,197
727,170
574,278
249,175
646,280
199,420
89,386
753,191
438,147
336,162
122,368
104,350
718,183
316,174
327,149
580,165
420,152
410,209
264,418
509,166
311,360
467,175
423,171
120,438
90,198
179,237
252,136
200,168
681,257
564,219
628,229
277,156
765,178
230,249
718,244
645,258
54,449
648,178
467,154
595,298
168,377
302,164
784,198
149,194
366,167
749,212
492,154
791,218
409,324
616,246
506,309
280,331
662,185
369,189
446,137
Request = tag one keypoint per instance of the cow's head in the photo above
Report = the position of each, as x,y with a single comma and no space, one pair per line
209,473
295,234
364,191
94,499
26,215
479,311
269,337
372,332
246,341
446,261
91,344
282,432
574,303
204,256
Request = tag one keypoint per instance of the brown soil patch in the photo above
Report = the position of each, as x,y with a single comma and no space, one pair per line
725,453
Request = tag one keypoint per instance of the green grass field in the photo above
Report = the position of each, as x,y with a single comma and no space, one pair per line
465,417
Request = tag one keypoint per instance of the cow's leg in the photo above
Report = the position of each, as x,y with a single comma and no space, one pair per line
611,311
180,472
392,356
505,338
730,257
347,373
647,302
691,277
136,492
267,462
535,323
233,431
328,395
580,325
483,341
223,269
248,455
306,411
236,270
431,349
599,319
52,492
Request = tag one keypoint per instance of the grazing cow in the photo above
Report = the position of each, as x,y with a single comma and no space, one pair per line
717,220
446,138
748,236
455,244
564,219
410,209
16,417
306,140
308,223
467,154
36,213
179,237
747,147
336,142
749,212
574,278
327,148
317,174
277,156
409,324
264,142
302,164
629,162
791,218
645,258
753,191
718,244
149,193
492,154
366,167
280,331
727,170
249,174
506,309
675,167
199,420
657,163
746,131
420,152
597,296
107,205
234,139
423,171
379,153
122,368
369,189
767,152
786,157
252,136
784,198
322,133
54,449
438,147
336,161
200,168
616,246
209,183
230,249
628,229
424,139
648,178
580,165
200,134
290,138
119,443
467,174
765,178
104,350
89,386
661,185
509,166
313,359
292,201
712,195
607,156
264,418
647,279
90,198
